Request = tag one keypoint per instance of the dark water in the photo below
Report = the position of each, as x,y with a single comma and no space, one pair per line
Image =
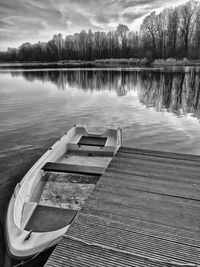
156,108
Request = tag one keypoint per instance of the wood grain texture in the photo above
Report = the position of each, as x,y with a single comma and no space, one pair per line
144,211
72,168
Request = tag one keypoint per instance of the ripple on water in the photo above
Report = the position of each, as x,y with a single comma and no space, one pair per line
149,105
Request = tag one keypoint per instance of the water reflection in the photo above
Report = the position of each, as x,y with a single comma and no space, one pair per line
33,113
175,91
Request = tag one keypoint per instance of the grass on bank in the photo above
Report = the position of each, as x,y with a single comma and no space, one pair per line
103,63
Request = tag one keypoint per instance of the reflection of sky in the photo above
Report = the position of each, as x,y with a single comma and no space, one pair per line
39,108
33,115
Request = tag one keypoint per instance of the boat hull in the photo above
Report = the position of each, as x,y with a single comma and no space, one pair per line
26,238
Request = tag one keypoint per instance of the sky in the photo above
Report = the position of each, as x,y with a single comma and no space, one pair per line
38,20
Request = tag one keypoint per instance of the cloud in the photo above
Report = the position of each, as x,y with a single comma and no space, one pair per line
131,17
36,20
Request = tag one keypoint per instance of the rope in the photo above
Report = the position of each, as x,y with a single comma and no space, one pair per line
37,254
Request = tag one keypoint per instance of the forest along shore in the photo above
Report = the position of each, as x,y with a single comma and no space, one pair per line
101,63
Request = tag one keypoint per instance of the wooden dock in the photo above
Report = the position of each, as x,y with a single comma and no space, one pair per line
144,211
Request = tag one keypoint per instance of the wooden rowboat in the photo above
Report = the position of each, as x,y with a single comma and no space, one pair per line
49,196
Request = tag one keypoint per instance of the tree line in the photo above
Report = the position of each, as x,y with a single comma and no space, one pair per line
172,33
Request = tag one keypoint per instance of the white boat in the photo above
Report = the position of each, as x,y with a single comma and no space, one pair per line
48,197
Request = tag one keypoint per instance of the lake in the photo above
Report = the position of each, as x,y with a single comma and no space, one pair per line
157,108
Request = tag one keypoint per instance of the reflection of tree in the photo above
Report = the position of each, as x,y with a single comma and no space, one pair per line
119,81
55,77
177,92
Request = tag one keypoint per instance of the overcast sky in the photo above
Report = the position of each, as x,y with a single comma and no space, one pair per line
38,20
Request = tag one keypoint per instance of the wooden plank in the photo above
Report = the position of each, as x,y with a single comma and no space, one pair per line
144,211
132,242
133,166
75,253
160,160
159,176
142,206
149,184
160,154
92,207
72,168
149,171
182,182
126,190
136,198
186,237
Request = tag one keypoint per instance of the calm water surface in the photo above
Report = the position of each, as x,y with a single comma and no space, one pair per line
156,108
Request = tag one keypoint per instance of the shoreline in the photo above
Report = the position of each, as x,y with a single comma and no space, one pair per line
106,63
73,64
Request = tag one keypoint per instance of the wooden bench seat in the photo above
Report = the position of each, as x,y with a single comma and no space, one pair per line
72,168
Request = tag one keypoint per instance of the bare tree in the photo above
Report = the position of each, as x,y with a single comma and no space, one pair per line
122,31
196,34
187,12
172,31
161,29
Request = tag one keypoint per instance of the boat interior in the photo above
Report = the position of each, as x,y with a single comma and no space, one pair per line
65,185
